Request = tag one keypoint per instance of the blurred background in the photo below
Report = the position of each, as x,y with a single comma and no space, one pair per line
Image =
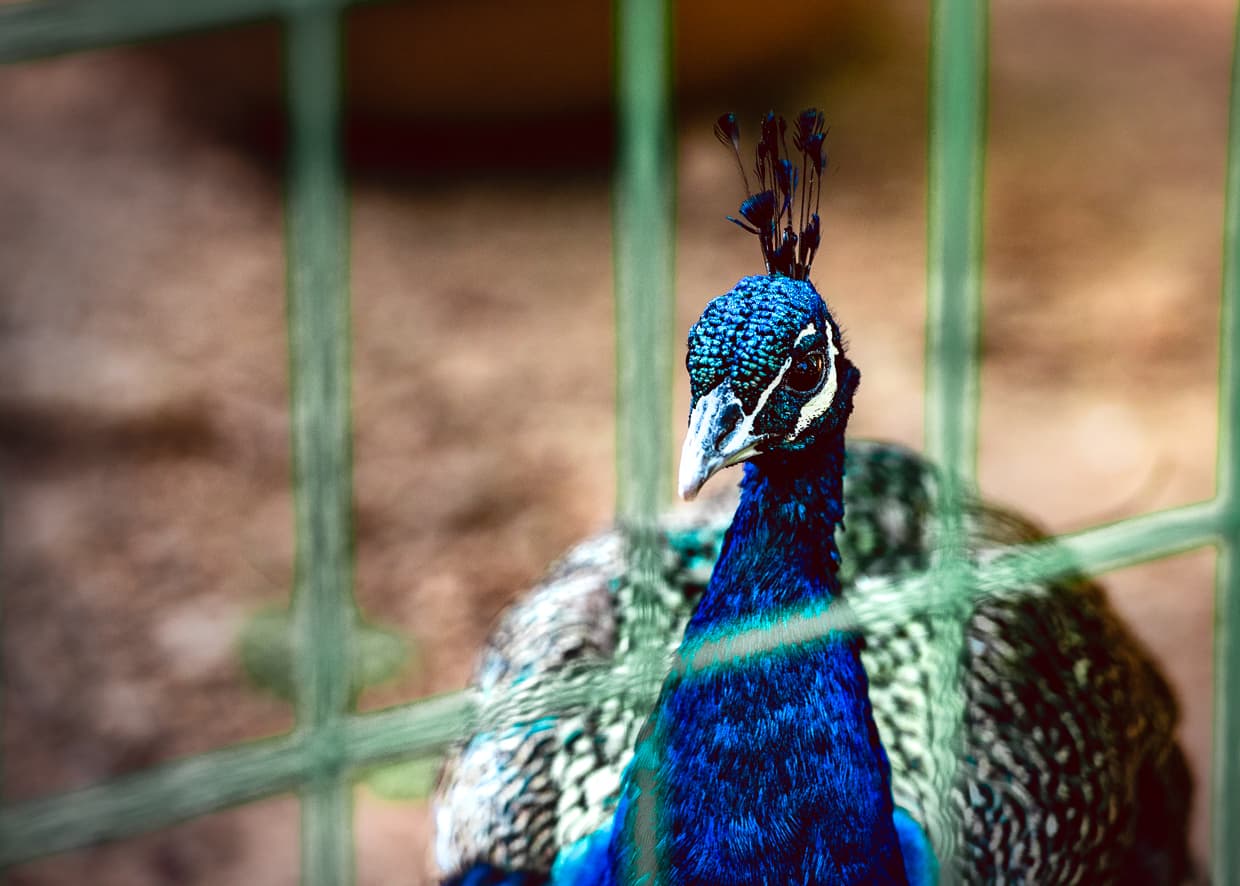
143,370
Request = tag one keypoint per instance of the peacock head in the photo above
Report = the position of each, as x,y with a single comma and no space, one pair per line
766,363
767,373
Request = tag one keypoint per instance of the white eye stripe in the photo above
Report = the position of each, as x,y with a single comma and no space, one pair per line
745,428
805,333
770,389
820,402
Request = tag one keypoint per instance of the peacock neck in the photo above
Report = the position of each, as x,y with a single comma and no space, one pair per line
780,550
771,770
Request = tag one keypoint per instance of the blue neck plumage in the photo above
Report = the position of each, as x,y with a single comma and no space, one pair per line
780,550
770,770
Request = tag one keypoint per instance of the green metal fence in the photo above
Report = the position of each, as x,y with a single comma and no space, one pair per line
330,743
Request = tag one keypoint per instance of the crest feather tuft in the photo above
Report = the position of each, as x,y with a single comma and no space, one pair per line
788,244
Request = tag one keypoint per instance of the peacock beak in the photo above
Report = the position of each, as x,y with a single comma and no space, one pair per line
720,435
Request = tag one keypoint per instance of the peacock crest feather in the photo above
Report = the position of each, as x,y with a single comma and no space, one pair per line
769,211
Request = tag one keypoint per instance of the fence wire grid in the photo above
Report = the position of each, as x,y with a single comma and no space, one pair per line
319,758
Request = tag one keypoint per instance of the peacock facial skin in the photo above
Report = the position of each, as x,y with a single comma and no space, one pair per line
767,373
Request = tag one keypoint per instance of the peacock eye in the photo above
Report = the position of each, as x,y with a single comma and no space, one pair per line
805,374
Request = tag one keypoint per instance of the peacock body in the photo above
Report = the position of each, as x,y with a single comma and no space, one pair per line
1067,770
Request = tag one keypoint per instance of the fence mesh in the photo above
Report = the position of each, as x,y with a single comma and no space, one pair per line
330,742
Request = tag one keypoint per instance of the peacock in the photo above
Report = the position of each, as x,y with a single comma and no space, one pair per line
1067,769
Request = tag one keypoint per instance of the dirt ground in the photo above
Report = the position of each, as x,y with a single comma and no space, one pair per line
143,384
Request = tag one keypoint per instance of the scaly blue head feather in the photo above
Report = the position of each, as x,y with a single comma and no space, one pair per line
768,375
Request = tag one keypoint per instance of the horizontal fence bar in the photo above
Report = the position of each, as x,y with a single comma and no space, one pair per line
221,779
41,28
174,792
419,729
893,600
151,799
1135,540
185,789
1088,552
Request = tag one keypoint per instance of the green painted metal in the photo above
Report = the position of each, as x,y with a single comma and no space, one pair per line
210,782
157,797
327,831
330,743
1225,783
419,728
958,58
324,614
167,794
40,28
1225,768
644,231
644,228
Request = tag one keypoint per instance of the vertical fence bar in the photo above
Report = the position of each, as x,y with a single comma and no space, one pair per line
958,61
318,309
644,228
954,232
1225,784
644,231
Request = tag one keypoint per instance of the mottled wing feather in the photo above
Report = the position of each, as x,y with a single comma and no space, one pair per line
1069,771
498,803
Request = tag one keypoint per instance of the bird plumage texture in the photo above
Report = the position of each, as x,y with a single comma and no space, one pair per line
1069,771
